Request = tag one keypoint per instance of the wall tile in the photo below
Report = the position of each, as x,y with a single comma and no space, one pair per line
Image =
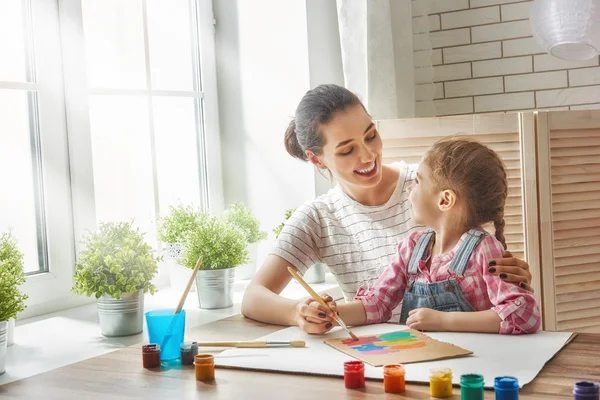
425,7
546,62
505,66
426,24
424,58
429,91
504,30
473,87
425,109
480,16
512,12
454,106
452,72
521,47
452,37
472,52
584,76
483,3
586,107
503,102
536,81
424,74
561,97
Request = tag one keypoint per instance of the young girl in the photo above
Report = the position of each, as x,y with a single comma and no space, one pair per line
441,274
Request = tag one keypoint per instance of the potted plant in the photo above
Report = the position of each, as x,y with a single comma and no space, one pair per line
12,301
172,229
316,273
241,216
222,247
117,267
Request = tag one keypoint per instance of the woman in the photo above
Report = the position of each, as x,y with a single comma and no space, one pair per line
355,227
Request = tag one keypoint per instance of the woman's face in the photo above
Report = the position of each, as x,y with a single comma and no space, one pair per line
352,150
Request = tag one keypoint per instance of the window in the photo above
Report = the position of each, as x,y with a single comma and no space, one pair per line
107,109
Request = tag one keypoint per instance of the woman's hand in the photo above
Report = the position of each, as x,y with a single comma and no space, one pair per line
313,317
426,319
511,269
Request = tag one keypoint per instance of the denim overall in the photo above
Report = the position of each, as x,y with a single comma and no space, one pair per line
440,296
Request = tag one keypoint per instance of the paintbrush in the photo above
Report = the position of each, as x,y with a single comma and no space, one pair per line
168,332
318,298
255,344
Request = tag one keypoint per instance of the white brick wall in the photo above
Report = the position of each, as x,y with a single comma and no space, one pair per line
484,59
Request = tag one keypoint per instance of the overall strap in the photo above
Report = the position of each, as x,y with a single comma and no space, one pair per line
420,252
461,258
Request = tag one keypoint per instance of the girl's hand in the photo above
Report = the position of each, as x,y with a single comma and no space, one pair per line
511,269
426,319
312,317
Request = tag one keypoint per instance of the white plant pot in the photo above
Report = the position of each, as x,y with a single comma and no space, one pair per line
3,337
11,332
247,271
315,274
179,276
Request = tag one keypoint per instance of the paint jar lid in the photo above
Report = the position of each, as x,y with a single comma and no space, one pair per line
506,383
585,387
150,348
393,369
204,359
471,380
440,374
354,366
188,346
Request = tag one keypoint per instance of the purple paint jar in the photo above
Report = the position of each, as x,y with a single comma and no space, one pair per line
585,391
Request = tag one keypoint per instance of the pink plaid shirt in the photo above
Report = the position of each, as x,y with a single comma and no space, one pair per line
515,306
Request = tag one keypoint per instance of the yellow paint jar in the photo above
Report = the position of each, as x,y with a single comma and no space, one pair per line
440,382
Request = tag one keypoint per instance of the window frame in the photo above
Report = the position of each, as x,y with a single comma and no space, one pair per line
66,140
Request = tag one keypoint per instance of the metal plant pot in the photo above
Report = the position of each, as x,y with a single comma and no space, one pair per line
215,288
121,317
315,274
247,271
3,339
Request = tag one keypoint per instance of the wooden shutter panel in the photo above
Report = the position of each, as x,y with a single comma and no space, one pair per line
569,177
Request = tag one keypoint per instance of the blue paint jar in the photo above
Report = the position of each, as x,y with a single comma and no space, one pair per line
585,391
506,388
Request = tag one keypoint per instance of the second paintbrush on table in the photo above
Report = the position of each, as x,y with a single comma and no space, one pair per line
320,300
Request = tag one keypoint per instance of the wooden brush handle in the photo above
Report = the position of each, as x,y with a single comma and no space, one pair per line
310,290
188,286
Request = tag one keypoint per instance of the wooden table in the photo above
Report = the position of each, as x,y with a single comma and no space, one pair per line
119,375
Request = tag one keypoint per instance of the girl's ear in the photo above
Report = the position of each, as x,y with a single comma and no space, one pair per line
447,200
314,160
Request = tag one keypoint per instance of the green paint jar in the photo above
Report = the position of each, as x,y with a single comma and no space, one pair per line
471,387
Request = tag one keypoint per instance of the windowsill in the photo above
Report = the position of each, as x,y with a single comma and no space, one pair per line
69,336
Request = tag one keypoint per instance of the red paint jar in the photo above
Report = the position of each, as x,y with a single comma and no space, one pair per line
151,356
354,374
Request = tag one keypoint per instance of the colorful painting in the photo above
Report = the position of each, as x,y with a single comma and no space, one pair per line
407,346
385,343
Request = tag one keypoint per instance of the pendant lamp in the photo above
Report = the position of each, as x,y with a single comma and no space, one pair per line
567,29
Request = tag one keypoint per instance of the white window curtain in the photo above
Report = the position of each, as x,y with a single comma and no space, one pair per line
377,55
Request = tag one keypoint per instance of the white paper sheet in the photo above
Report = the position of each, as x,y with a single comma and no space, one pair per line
493,355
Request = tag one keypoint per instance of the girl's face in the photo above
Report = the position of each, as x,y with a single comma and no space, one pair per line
352,150
424,198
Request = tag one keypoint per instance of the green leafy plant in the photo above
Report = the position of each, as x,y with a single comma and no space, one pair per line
221,244
178,223
288,214
12,300
241,216
116,260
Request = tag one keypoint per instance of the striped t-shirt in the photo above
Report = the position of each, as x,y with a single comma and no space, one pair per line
356,242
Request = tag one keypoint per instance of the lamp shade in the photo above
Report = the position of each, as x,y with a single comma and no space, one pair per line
567,29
